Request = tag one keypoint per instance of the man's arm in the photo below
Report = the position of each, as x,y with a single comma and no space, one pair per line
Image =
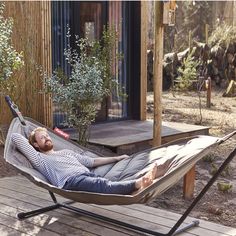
26,148
99,161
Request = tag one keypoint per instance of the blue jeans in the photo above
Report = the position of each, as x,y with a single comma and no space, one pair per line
89,182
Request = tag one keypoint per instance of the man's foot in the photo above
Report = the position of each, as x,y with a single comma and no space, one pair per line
146,180
155,172
152,173
161,169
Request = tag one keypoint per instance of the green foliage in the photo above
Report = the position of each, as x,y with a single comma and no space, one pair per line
214,168
226,172
189,78
190,16
208,158
106,49
224,186
187,73
223,36
90,81
10,59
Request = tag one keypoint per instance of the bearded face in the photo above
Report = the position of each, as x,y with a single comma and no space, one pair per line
43,141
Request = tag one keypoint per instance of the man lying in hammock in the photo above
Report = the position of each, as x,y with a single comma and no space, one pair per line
70,170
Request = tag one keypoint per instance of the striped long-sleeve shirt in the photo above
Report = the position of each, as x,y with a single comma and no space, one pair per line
56,167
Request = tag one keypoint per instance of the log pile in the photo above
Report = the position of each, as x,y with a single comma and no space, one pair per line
218,63
231,89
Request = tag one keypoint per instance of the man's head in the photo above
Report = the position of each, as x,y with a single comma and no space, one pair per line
40,140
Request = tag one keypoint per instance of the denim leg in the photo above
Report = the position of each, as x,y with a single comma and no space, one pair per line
91,183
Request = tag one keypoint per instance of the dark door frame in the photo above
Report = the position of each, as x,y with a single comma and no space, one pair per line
131,11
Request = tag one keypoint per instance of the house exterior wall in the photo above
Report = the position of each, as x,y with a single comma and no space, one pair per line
126,17
32,36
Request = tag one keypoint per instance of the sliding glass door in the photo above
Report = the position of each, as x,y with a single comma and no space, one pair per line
87,19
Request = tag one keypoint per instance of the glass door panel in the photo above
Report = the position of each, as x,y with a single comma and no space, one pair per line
117,105
87,19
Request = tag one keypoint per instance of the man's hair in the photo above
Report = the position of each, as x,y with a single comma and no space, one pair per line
32,138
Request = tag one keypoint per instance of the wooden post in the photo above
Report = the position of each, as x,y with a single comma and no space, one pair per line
234,13
46,53
189,182
206,32
158,70
208,87
143,76
190,40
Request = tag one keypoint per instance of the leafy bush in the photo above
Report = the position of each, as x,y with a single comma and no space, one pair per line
90,81
187,73
10,59
106,52
223,36
189,78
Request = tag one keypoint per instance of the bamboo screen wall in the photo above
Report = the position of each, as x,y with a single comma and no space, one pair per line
32,35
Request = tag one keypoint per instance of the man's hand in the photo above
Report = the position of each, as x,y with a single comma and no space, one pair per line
121,157
99,161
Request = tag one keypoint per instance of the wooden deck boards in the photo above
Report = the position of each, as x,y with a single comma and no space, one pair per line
132,135
18,194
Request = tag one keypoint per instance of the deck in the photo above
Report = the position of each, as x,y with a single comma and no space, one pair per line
18,194
132,135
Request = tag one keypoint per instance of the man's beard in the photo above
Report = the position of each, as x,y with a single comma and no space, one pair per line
48,146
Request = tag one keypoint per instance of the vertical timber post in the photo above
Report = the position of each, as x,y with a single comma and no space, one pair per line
206,32
143,59
158,71
208,87
46,58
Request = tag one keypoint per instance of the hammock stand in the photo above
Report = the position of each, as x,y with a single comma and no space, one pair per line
67,205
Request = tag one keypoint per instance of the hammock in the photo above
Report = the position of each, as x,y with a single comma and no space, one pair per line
181,156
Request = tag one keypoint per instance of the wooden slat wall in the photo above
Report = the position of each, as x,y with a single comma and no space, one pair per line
46,57
32,35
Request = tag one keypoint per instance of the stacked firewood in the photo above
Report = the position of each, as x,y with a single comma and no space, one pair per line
218,63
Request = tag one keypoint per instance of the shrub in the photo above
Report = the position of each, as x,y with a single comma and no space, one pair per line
188,73
10,59
223,36
90,81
